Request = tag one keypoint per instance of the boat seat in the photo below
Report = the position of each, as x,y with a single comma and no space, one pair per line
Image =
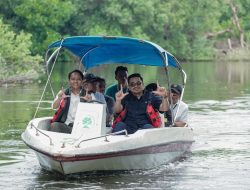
44,124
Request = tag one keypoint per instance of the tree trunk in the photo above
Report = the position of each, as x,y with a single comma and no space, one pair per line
229,44
236,22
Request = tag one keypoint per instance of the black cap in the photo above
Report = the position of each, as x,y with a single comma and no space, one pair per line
176,88
89,77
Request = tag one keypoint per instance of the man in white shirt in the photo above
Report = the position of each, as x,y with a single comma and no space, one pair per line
181,118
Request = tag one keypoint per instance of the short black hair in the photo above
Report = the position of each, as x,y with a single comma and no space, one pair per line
151,87
75,71
120,68
135,75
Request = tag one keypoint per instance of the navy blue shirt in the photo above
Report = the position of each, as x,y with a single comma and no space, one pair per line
136,116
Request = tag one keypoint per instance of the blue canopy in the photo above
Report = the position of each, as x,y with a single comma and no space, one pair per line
98,50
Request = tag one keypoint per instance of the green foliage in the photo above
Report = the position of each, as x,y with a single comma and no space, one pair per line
179,26
15,56
44,20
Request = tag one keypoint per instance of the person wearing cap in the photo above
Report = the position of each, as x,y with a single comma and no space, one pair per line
89,85
66,103
181,118
121,75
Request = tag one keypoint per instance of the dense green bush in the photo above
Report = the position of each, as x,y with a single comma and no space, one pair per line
189,29
15,54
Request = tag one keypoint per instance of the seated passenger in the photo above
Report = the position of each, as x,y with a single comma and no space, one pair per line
89,85
167,115
66,103
181,118
121,75
138,108
100,87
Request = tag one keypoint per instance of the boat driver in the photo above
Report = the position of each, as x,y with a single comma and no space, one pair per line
181,118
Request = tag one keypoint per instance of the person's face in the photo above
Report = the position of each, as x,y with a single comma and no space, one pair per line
175,97
136,85
122,77
100,87
75,81
89,86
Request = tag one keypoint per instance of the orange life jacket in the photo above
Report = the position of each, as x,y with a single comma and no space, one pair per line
62,111
154,116
151,112
120,117
59,111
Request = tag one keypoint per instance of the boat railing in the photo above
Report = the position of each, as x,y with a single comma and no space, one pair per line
37,134
105,136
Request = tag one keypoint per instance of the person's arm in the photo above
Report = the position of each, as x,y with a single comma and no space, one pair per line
118,106
181,121
164,104
118,102
161,91
60,95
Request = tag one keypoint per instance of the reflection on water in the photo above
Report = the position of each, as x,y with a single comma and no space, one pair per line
233,74
219,99
217,81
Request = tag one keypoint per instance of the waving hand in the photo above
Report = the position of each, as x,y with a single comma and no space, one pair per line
161,91
87,96
120,95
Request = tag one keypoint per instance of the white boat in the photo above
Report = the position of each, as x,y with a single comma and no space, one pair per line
94,148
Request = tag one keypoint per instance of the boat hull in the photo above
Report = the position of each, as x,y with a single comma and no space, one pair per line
133,162
143,150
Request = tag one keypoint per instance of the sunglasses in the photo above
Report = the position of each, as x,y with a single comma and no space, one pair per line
135,84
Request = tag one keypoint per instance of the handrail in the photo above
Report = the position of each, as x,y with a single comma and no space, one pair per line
105,136
37,130
182,93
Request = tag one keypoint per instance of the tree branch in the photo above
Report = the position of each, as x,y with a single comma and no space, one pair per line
214,34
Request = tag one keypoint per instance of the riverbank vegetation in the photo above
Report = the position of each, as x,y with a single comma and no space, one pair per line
16,60
189,29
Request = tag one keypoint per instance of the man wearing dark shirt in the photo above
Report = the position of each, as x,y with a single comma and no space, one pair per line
135,102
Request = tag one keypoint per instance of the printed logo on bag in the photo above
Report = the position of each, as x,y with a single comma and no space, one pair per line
87,121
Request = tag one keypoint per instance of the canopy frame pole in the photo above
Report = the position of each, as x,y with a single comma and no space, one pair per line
54,54
47,68
184,78
81,61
